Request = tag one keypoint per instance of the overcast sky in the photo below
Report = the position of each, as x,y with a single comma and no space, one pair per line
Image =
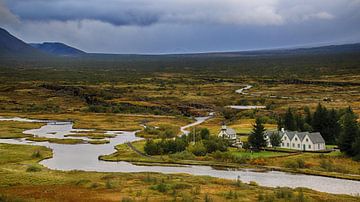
169,26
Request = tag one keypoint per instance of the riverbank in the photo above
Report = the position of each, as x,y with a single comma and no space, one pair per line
51,185
258,162
85,157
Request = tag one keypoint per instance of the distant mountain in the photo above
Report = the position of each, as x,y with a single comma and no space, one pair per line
59,49
321,50
11,46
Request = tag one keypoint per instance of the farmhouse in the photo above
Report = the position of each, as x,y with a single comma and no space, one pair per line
298,140
230,134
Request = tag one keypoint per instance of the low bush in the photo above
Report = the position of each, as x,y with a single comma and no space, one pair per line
33,168
183,155
36,154
231,158
284,193
297,163
198,149
162,187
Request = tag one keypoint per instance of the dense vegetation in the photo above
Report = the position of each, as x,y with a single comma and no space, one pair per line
336,126
322,120
198,143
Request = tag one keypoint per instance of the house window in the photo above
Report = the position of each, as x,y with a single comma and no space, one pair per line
309,146
282,144
318,146
296,139
307,140
298,145
284,138
293,144
287,144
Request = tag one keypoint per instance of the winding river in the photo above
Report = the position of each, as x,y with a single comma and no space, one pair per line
242,92
85,157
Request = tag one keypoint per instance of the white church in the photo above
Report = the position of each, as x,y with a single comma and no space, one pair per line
230,134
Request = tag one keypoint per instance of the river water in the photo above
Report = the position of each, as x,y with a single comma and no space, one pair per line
85,157
242,91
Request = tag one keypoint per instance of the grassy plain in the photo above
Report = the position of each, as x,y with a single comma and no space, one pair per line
113,99
14,129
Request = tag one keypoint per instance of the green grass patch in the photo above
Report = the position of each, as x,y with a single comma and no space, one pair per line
56,140
98,141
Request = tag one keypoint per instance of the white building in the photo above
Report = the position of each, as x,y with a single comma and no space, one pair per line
298,140
230,134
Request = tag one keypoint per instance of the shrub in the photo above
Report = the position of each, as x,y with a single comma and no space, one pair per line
165,146
162,187
258,161
151,148
183,155
215,144
95,185
229,157
326,165
36,154
126,199
252,183
109,185
298,163
181,186
198,149
284,193
33,168
207,198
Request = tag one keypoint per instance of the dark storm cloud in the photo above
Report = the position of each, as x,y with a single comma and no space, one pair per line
158,26
111,11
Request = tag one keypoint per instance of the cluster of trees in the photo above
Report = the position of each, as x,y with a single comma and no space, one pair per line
338,127
163,131
204,144
257,140
349,139
165,146
323,120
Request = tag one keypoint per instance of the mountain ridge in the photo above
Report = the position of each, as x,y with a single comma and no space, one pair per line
57,48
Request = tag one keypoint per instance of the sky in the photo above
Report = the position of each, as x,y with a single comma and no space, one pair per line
182,26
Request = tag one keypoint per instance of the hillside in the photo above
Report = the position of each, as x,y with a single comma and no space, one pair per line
11,47
59,49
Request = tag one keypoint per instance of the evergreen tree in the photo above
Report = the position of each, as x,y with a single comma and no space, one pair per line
349,133
289,120
256,138
205,134
275,140
151,148
333,127
321,123
318,118
280,123
308,116
356,148
299,120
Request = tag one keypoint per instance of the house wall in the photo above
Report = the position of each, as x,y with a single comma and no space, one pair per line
309,146
296,143
285,142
